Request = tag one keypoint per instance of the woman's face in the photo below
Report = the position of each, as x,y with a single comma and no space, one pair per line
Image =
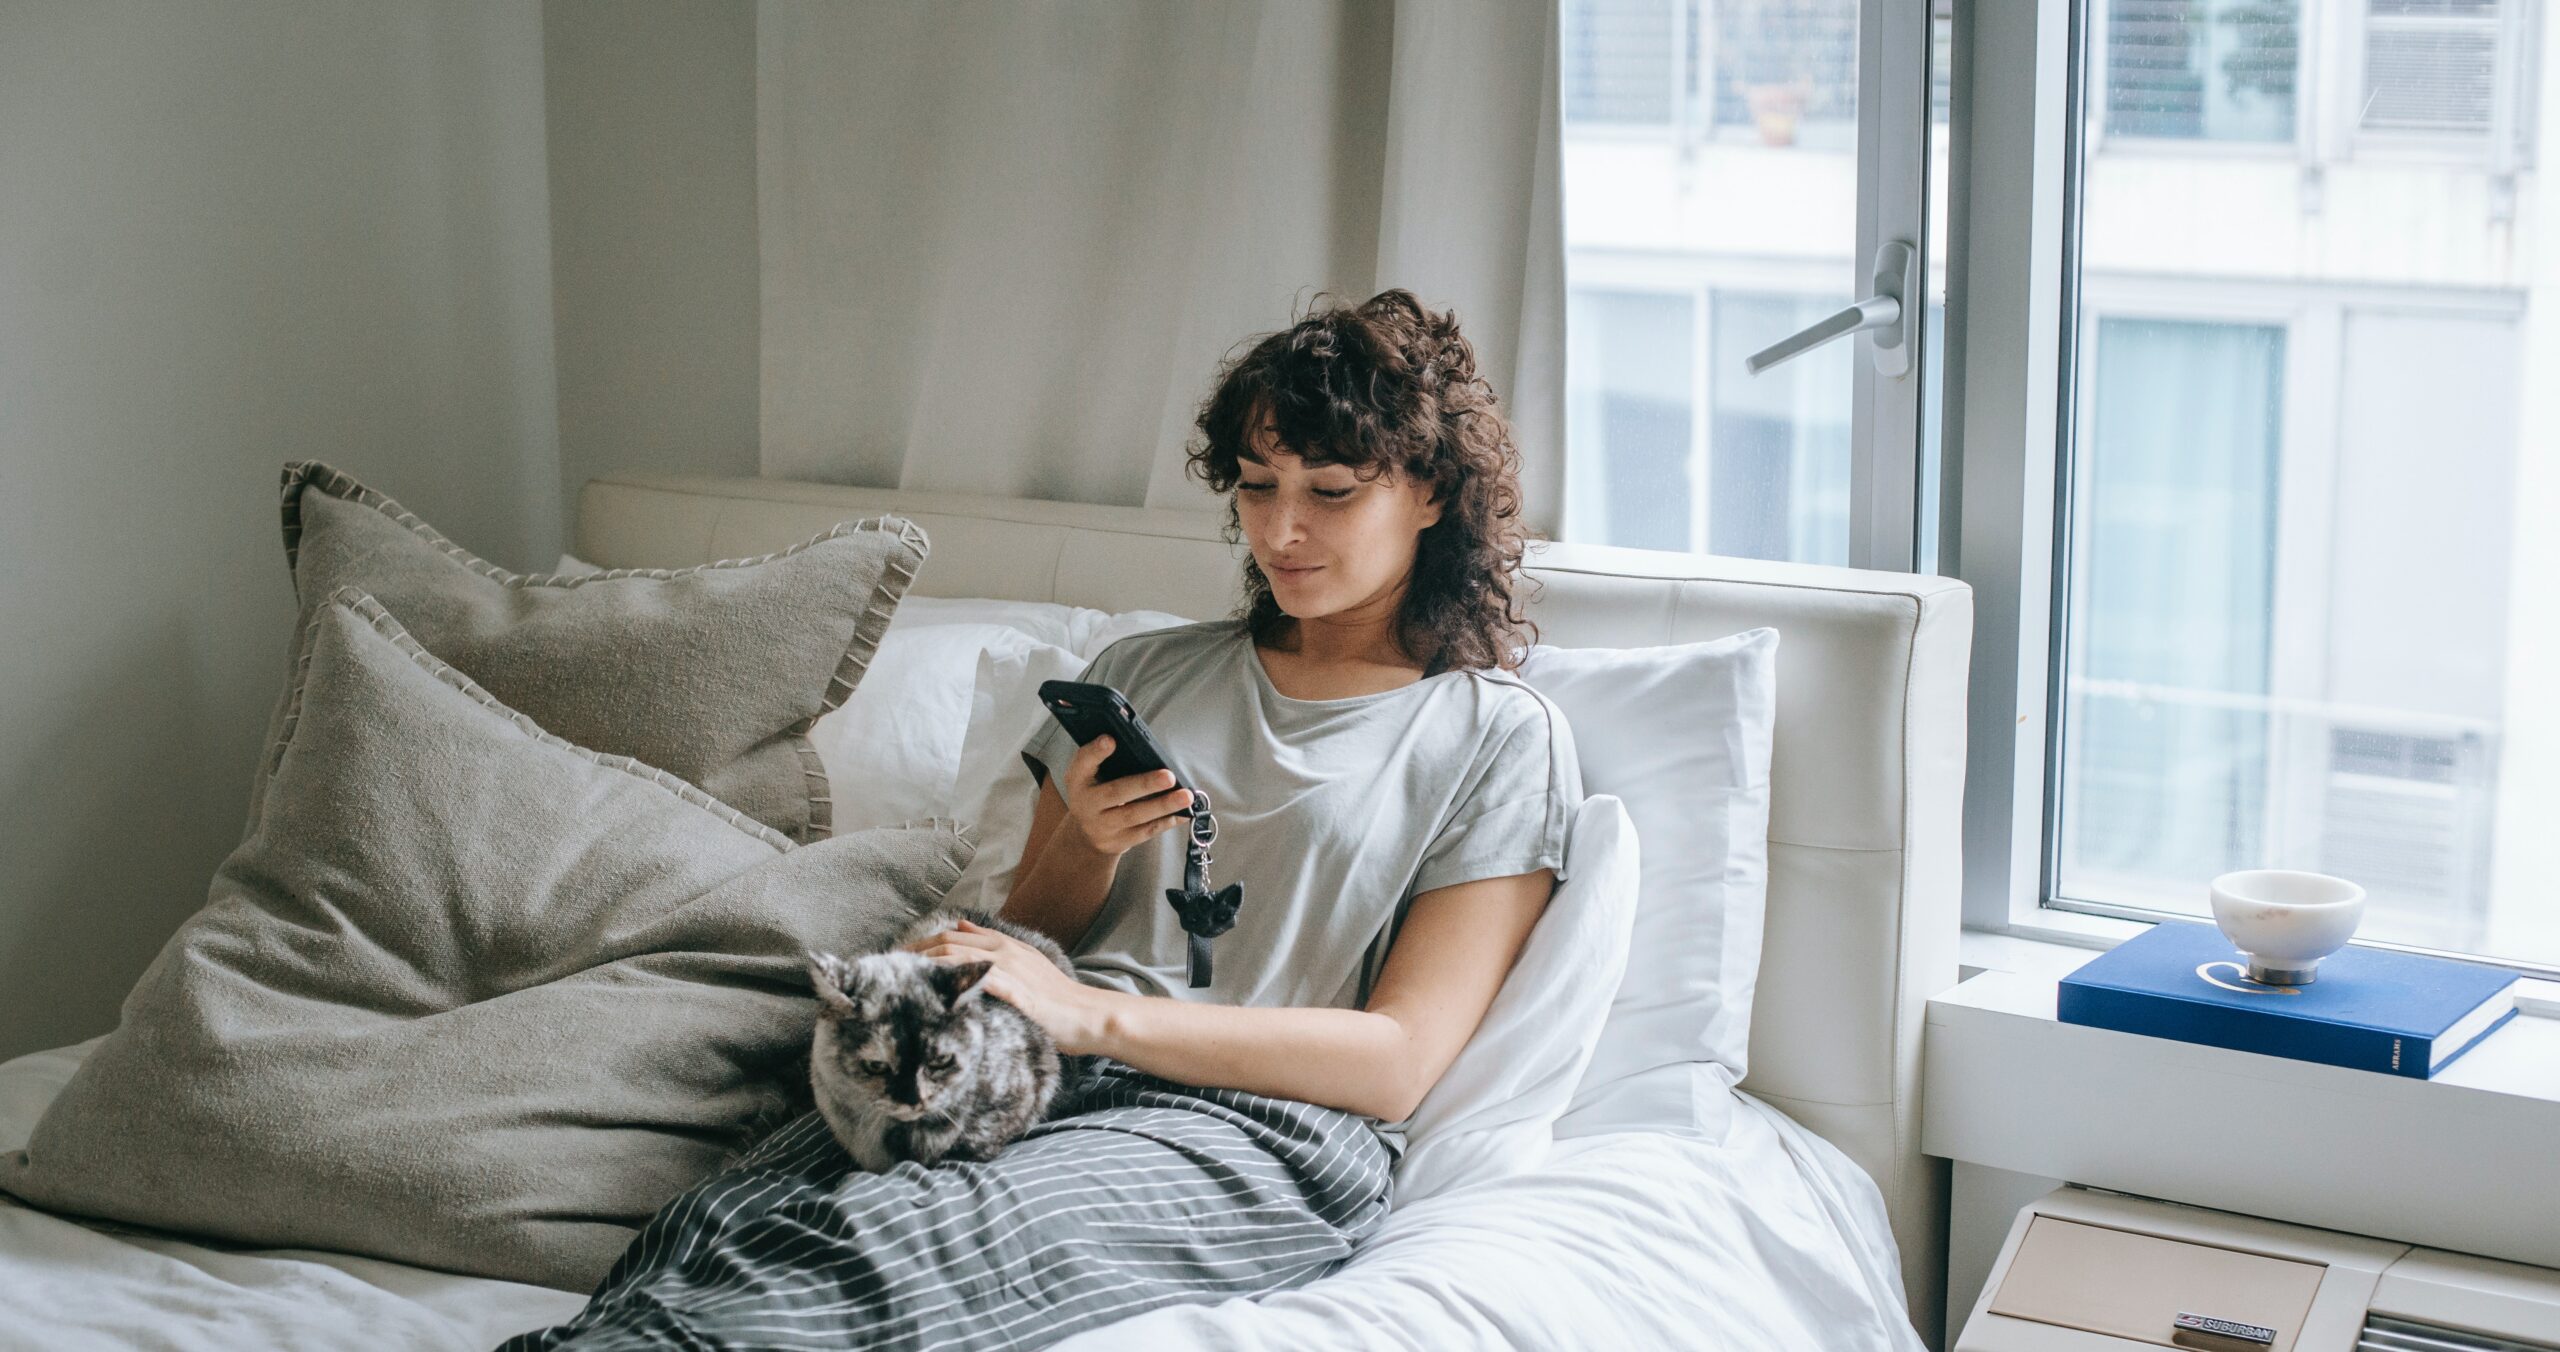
1331,545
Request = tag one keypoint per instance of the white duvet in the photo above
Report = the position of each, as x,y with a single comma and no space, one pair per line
1769,1238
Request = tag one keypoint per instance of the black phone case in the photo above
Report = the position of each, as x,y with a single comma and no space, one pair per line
1087,711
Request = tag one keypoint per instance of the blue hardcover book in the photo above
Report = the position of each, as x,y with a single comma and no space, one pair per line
2370,1009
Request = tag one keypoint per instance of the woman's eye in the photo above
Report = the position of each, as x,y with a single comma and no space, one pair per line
1253,488
1334,494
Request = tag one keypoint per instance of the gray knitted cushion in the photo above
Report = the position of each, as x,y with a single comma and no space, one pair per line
469,996
713,673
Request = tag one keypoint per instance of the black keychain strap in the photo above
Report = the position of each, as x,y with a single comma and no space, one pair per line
1205,914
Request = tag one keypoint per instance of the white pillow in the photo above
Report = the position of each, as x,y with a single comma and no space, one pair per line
992,791
1089,631
892,751
1681,734
1493,1112
1040,621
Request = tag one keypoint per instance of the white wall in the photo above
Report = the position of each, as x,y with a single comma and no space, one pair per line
230,236
652,117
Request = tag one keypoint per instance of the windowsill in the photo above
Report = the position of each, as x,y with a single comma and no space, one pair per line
2441,1162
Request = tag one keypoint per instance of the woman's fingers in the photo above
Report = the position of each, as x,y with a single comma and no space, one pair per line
1117,813
1130,790
1084,769
1144,810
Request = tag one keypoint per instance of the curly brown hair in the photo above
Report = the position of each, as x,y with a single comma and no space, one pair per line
1389,386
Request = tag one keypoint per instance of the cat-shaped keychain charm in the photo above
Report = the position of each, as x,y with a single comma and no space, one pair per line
1205,914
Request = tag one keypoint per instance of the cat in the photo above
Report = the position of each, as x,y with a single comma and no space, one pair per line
913,1060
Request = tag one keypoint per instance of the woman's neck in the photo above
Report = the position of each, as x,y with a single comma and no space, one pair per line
1325,642
1316,661
1361,635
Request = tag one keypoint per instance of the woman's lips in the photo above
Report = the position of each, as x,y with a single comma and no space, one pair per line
1293,574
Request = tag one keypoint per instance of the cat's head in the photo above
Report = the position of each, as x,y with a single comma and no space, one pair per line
900,1024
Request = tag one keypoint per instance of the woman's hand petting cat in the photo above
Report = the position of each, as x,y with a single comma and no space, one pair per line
1072,1012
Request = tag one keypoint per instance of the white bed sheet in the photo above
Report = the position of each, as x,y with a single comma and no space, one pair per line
1769,1238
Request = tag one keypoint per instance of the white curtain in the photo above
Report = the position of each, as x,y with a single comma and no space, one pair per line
1006,244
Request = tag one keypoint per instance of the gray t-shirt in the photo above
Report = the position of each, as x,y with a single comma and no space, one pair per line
1334,814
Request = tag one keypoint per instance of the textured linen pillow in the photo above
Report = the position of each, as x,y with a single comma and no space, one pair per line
1493,1112
1681,734
714,674
469,996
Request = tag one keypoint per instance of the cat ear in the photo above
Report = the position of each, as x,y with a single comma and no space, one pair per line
955,979
831,975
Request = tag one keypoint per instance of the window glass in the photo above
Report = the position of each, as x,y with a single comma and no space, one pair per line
2305,617
1711,197
1631,417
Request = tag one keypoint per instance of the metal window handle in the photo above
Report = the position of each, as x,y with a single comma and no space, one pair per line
1896,275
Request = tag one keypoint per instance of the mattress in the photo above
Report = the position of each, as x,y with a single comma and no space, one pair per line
1766,1238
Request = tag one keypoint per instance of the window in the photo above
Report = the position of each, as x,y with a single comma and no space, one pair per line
1676,448
2295,616
2165,700
2430,65
2212,70
1632,415
1620,62
1713,197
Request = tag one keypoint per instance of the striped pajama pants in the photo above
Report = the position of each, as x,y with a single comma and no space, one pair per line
1142,1192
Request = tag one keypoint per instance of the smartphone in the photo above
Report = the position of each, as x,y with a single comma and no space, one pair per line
1087,711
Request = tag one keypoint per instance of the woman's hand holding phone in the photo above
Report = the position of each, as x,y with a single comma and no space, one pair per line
1116,815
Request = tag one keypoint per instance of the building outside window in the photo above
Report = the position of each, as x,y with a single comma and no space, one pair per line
2292,626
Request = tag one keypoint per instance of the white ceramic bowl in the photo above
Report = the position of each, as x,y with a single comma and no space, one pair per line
2285,920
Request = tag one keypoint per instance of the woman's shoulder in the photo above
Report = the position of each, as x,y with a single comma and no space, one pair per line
1173,644
1509,701
1518,720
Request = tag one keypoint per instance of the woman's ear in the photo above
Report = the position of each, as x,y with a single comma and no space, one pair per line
1431,507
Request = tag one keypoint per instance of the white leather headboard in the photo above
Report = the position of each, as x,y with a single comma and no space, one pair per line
1867,776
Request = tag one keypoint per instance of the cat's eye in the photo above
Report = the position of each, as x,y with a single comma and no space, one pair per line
941,1065
875,1067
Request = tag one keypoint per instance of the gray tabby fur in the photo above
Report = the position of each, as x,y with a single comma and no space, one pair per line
913,1060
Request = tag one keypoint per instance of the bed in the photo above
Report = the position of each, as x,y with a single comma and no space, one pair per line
1813,1221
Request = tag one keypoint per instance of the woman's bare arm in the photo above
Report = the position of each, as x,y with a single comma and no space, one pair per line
1457,945
1063,887
1080,826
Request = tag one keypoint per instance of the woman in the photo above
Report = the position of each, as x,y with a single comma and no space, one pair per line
1394,803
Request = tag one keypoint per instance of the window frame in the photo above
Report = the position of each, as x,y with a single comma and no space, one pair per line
2014,98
